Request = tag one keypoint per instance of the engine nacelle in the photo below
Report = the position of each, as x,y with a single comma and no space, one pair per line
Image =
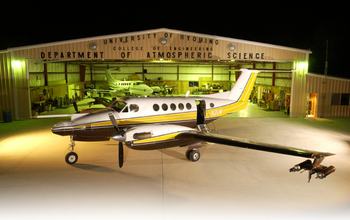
306,165
144,132
325,172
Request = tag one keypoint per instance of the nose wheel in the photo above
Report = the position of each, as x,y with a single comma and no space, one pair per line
193,155
71,157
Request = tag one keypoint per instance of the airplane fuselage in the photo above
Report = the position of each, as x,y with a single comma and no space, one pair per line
148,110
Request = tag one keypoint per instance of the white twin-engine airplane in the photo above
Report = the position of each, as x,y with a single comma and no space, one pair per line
119,88
155,123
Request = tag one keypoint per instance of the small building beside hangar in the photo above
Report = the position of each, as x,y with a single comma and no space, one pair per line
328,96
161,55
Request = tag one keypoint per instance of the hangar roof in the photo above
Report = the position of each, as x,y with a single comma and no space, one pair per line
157,31
158,44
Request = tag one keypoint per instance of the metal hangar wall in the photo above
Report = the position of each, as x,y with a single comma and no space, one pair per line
171,54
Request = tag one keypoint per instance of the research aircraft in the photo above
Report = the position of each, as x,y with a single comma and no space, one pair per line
121,88
149,123
133,87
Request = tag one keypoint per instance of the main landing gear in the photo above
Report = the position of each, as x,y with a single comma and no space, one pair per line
193,154
71,157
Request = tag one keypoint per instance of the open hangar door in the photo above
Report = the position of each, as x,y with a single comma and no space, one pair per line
271,92
52,85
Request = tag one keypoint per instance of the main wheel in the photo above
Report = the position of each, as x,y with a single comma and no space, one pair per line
194,155
188,153
71,158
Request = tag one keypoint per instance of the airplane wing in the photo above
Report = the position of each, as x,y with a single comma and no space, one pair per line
238,142
312,167
156,136
94,90
103,101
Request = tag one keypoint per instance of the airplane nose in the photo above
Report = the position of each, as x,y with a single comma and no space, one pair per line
63,128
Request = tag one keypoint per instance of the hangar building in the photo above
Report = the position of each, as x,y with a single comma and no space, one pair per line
33,74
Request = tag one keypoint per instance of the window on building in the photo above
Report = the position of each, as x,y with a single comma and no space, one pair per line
340,99
345,97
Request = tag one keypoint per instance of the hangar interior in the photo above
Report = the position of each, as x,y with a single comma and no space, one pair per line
57,80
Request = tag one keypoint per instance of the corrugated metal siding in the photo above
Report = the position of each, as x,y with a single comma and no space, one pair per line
146,45
6,86
16,85
298,105
326,86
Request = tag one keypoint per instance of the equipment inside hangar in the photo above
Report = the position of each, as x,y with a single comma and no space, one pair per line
44,77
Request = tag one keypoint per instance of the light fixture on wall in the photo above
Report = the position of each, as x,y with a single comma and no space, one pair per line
163,41
93,46
17,64
231,47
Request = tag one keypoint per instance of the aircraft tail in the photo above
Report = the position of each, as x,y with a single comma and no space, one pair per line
111,81
241,89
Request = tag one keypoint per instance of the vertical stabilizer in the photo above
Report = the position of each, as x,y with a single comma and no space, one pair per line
112,83
243,86
241,89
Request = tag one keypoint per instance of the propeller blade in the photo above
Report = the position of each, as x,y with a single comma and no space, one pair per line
111,117
121,154
75,106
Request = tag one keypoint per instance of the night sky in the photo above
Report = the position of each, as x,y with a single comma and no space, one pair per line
291,24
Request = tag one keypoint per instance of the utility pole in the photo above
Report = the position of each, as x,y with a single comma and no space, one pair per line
324,83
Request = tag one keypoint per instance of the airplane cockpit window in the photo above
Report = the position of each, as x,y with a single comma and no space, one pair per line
126,109
134,108
188,106
181,106
140,83
165,107
173,106
118,106
156,107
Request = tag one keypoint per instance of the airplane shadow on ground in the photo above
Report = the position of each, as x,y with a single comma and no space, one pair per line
173,153
95,168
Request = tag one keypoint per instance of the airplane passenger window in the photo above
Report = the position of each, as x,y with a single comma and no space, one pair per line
181,106
134,108
156,107
165,107
173,106
188,106
212,105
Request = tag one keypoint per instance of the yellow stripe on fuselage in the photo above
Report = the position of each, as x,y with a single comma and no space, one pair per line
220,111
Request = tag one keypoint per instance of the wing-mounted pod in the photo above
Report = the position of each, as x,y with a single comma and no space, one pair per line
314,167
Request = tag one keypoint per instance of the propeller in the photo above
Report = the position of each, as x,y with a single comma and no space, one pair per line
119,133
75,106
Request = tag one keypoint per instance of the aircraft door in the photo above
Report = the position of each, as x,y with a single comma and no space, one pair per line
201,112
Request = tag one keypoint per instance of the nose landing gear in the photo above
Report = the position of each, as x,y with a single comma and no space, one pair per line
71,157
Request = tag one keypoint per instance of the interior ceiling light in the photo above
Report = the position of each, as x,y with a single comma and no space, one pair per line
93,46
163,40
231,47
